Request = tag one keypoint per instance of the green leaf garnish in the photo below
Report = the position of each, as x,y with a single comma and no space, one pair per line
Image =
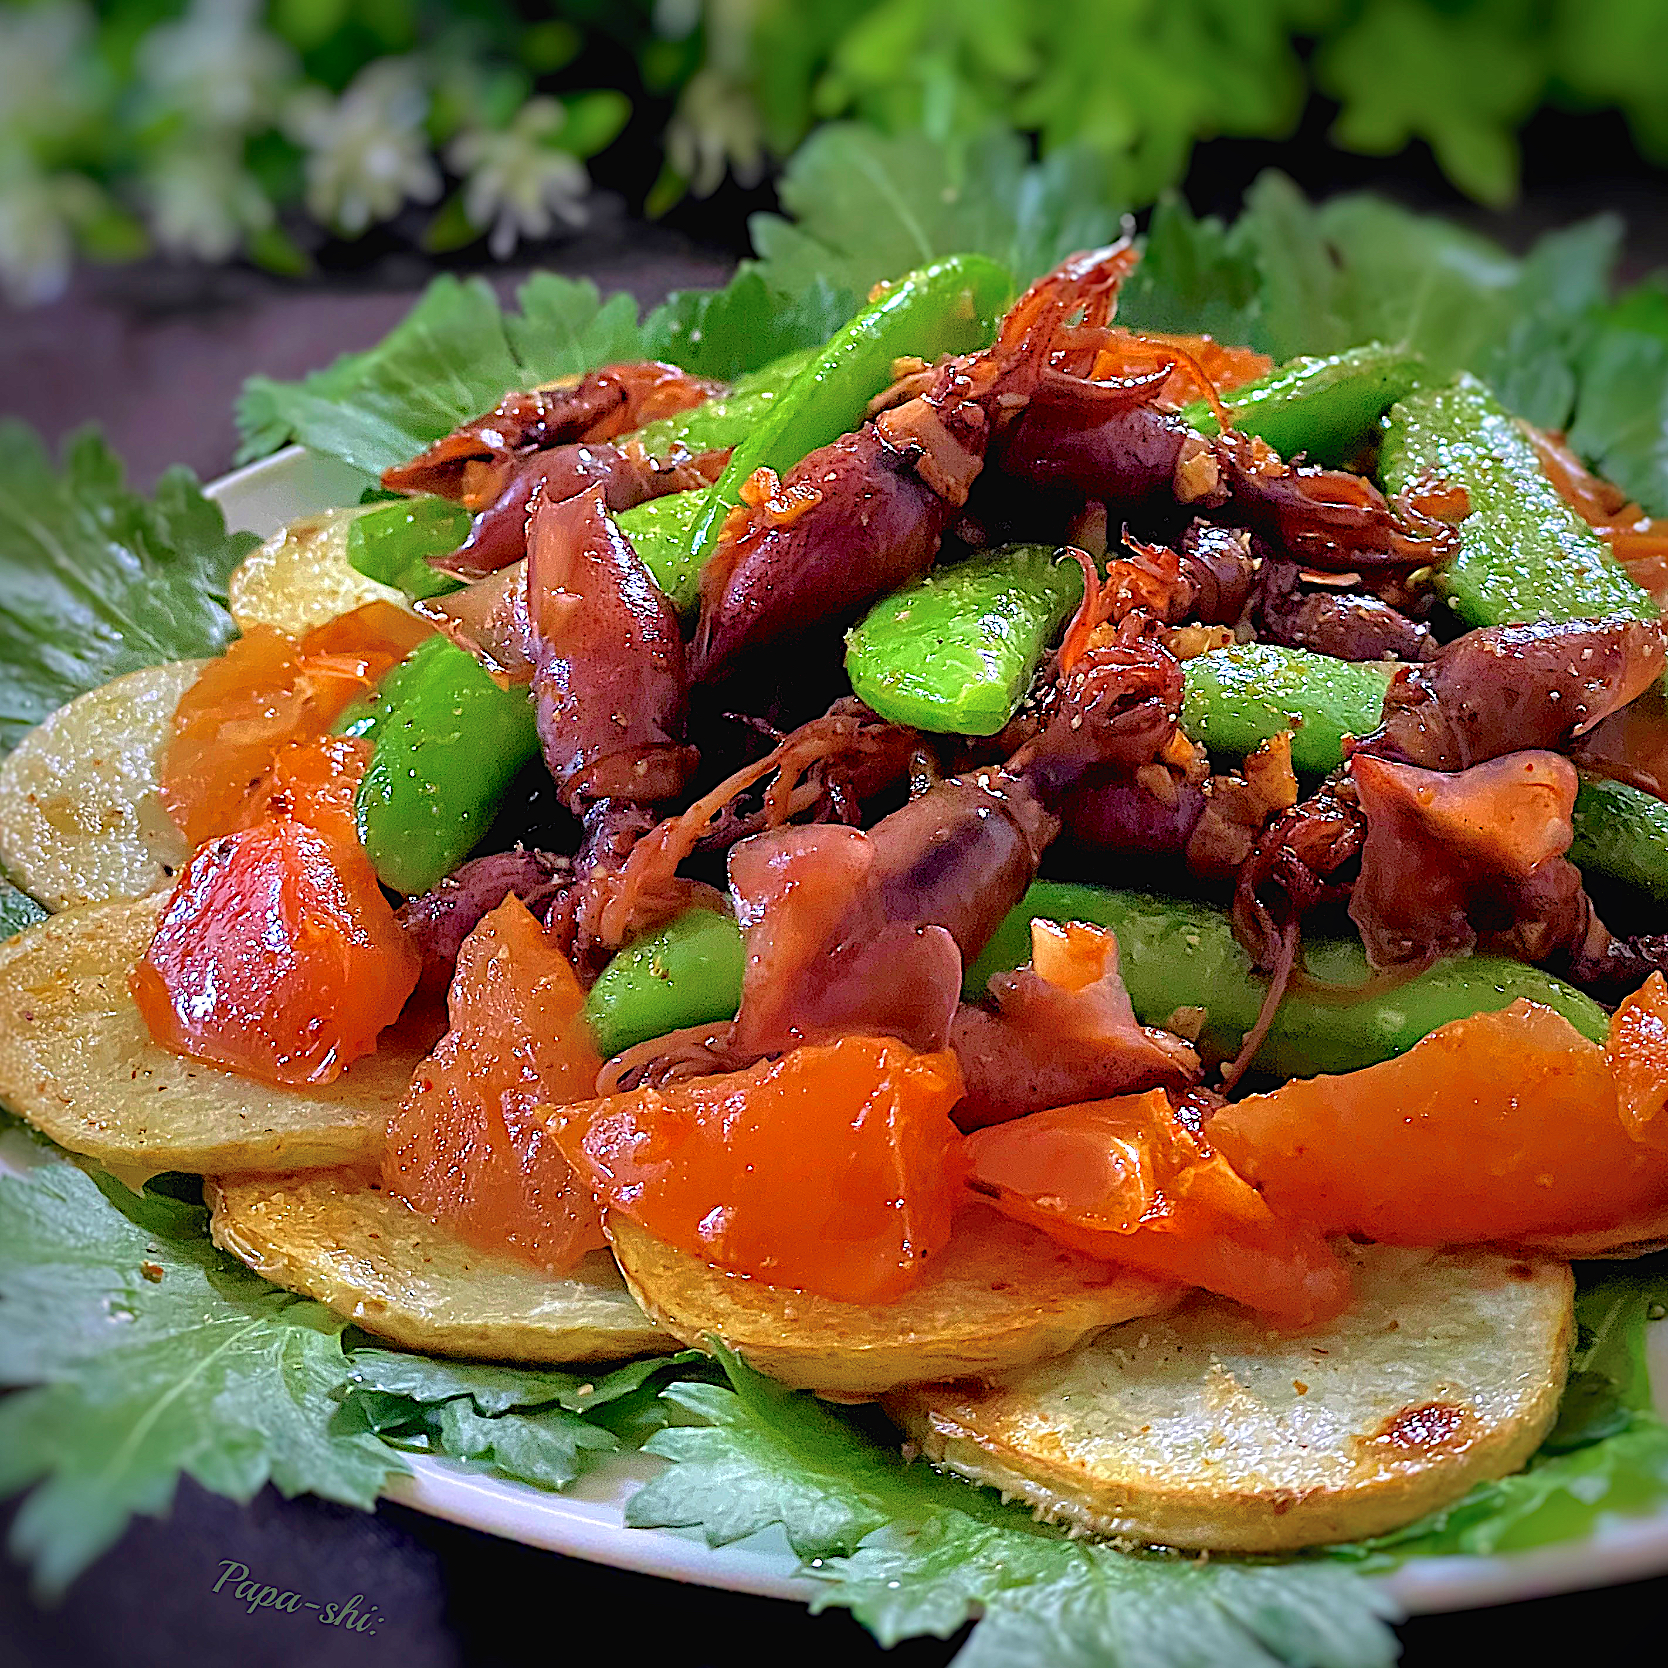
97,580
142,1354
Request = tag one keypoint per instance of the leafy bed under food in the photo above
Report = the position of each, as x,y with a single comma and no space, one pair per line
138,1352
141,1353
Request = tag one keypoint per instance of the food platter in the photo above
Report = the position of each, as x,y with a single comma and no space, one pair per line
589,1521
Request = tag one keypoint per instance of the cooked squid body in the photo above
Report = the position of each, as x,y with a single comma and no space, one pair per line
81,818
371,1257
1202,1429
1002,1296
77,1062
301,577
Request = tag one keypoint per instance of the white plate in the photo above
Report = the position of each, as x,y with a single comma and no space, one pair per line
588,1521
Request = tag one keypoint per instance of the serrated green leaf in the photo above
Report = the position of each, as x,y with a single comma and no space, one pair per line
141,1353
1621,411
495,1389
548,1449
452,357
96,579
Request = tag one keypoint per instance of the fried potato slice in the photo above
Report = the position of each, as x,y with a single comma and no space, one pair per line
81,819
371,1257
1002,1295
301,577
77,1061
1202,1429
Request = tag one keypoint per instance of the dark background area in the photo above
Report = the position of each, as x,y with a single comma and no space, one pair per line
155,354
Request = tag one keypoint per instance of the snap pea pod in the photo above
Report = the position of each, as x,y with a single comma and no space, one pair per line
659,532
1524,553
393,543
1328,408
1237,698
1622,832
17,910
725,419
688,973
446,742
951,306
956,650
1177,954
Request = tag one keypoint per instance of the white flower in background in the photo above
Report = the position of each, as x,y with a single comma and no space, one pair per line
716,127
216,65
39,213
45,60
367,151
516,180
202,200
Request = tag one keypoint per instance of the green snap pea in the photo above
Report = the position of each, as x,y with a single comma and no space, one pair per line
688,973
1524,553
956,650
1177,954
1329,408
1622,832
660,534
17,910
727,417
951,306
393,543
446,742
1238,698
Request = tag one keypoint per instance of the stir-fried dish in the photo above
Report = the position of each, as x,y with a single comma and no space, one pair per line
998,829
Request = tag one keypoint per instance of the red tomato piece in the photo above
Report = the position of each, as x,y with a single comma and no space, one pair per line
277,956
314,782
1127,1180
265,691
835,1170
1504,1126
1637,1051
463,1148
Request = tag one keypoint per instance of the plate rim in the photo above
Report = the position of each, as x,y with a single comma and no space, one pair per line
587,1521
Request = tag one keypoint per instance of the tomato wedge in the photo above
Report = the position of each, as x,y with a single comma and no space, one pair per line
462,1147
835,1169
315,782
266,690
1637,1052
276,956
1127,1180
1504,1126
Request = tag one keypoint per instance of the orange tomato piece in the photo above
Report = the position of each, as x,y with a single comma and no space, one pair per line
463,1148
1127,1180
1504,1126
834,1169
276,956
379,635
314,782
1637,1051
267,690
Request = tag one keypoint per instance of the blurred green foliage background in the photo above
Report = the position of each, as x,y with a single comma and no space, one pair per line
265,129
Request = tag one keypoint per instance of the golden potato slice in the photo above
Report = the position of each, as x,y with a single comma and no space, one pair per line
77,1061
80,816
301,577
1202,1429
1002,1295
374,1259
